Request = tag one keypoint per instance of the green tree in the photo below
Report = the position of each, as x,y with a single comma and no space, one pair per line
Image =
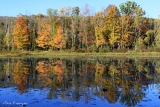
33,26
2,34
131,17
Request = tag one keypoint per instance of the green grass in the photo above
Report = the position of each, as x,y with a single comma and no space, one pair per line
75,54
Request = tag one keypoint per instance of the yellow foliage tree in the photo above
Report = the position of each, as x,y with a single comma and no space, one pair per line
99,29
127,35
112,25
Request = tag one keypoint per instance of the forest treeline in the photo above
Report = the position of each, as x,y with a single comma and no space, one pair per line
114,28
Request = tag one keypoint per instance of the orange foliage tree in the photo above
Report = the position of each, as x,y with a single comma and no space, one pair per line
21,34
58,38
43,39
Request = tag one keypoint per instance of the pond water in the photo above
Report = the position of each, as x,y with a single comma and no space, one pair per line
77,82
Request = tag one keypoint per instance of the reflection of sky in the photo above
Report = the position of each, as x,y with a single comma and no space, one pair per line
151,98
38,98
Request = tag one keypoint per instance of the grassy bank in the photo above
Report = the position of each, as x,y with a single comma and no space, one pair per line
74,54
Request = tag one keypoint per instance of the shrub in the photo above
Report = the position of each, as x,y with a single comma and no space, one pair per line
104,49
92,48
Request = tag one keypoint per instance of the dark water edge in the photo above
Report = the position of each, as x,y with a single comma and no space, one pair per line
77,82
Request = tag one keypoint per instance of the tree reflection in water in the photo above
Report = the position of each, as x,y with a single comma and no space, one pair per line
21,72
82,79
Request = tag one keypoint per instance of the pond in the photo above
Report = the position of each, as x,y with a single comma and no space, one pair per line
77,82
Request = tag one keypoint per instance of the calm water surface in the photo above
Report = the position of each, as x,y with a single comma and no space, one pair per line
79,82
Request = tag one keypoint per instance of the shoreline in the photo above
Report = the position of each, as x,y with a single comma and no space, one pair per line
76,54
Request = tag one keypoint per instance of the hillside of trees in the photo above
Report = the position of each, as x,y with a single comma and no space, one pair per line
118,29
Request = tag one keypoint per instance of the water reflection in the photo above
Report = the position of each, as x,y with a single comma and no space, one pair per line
117,82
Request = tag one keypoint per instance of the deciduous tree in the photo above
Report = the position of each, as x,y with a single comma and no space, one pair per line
58,38
99,30
21,33
43,39
112,25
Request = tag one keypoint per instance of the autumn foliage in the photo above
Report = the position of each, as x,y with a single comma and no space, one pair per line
58,38
43,69
58,70
21,71
43,39
21,33
99,30
73,29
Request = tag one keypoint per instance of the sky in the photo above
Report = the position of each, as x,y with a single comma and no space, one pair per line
29,7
